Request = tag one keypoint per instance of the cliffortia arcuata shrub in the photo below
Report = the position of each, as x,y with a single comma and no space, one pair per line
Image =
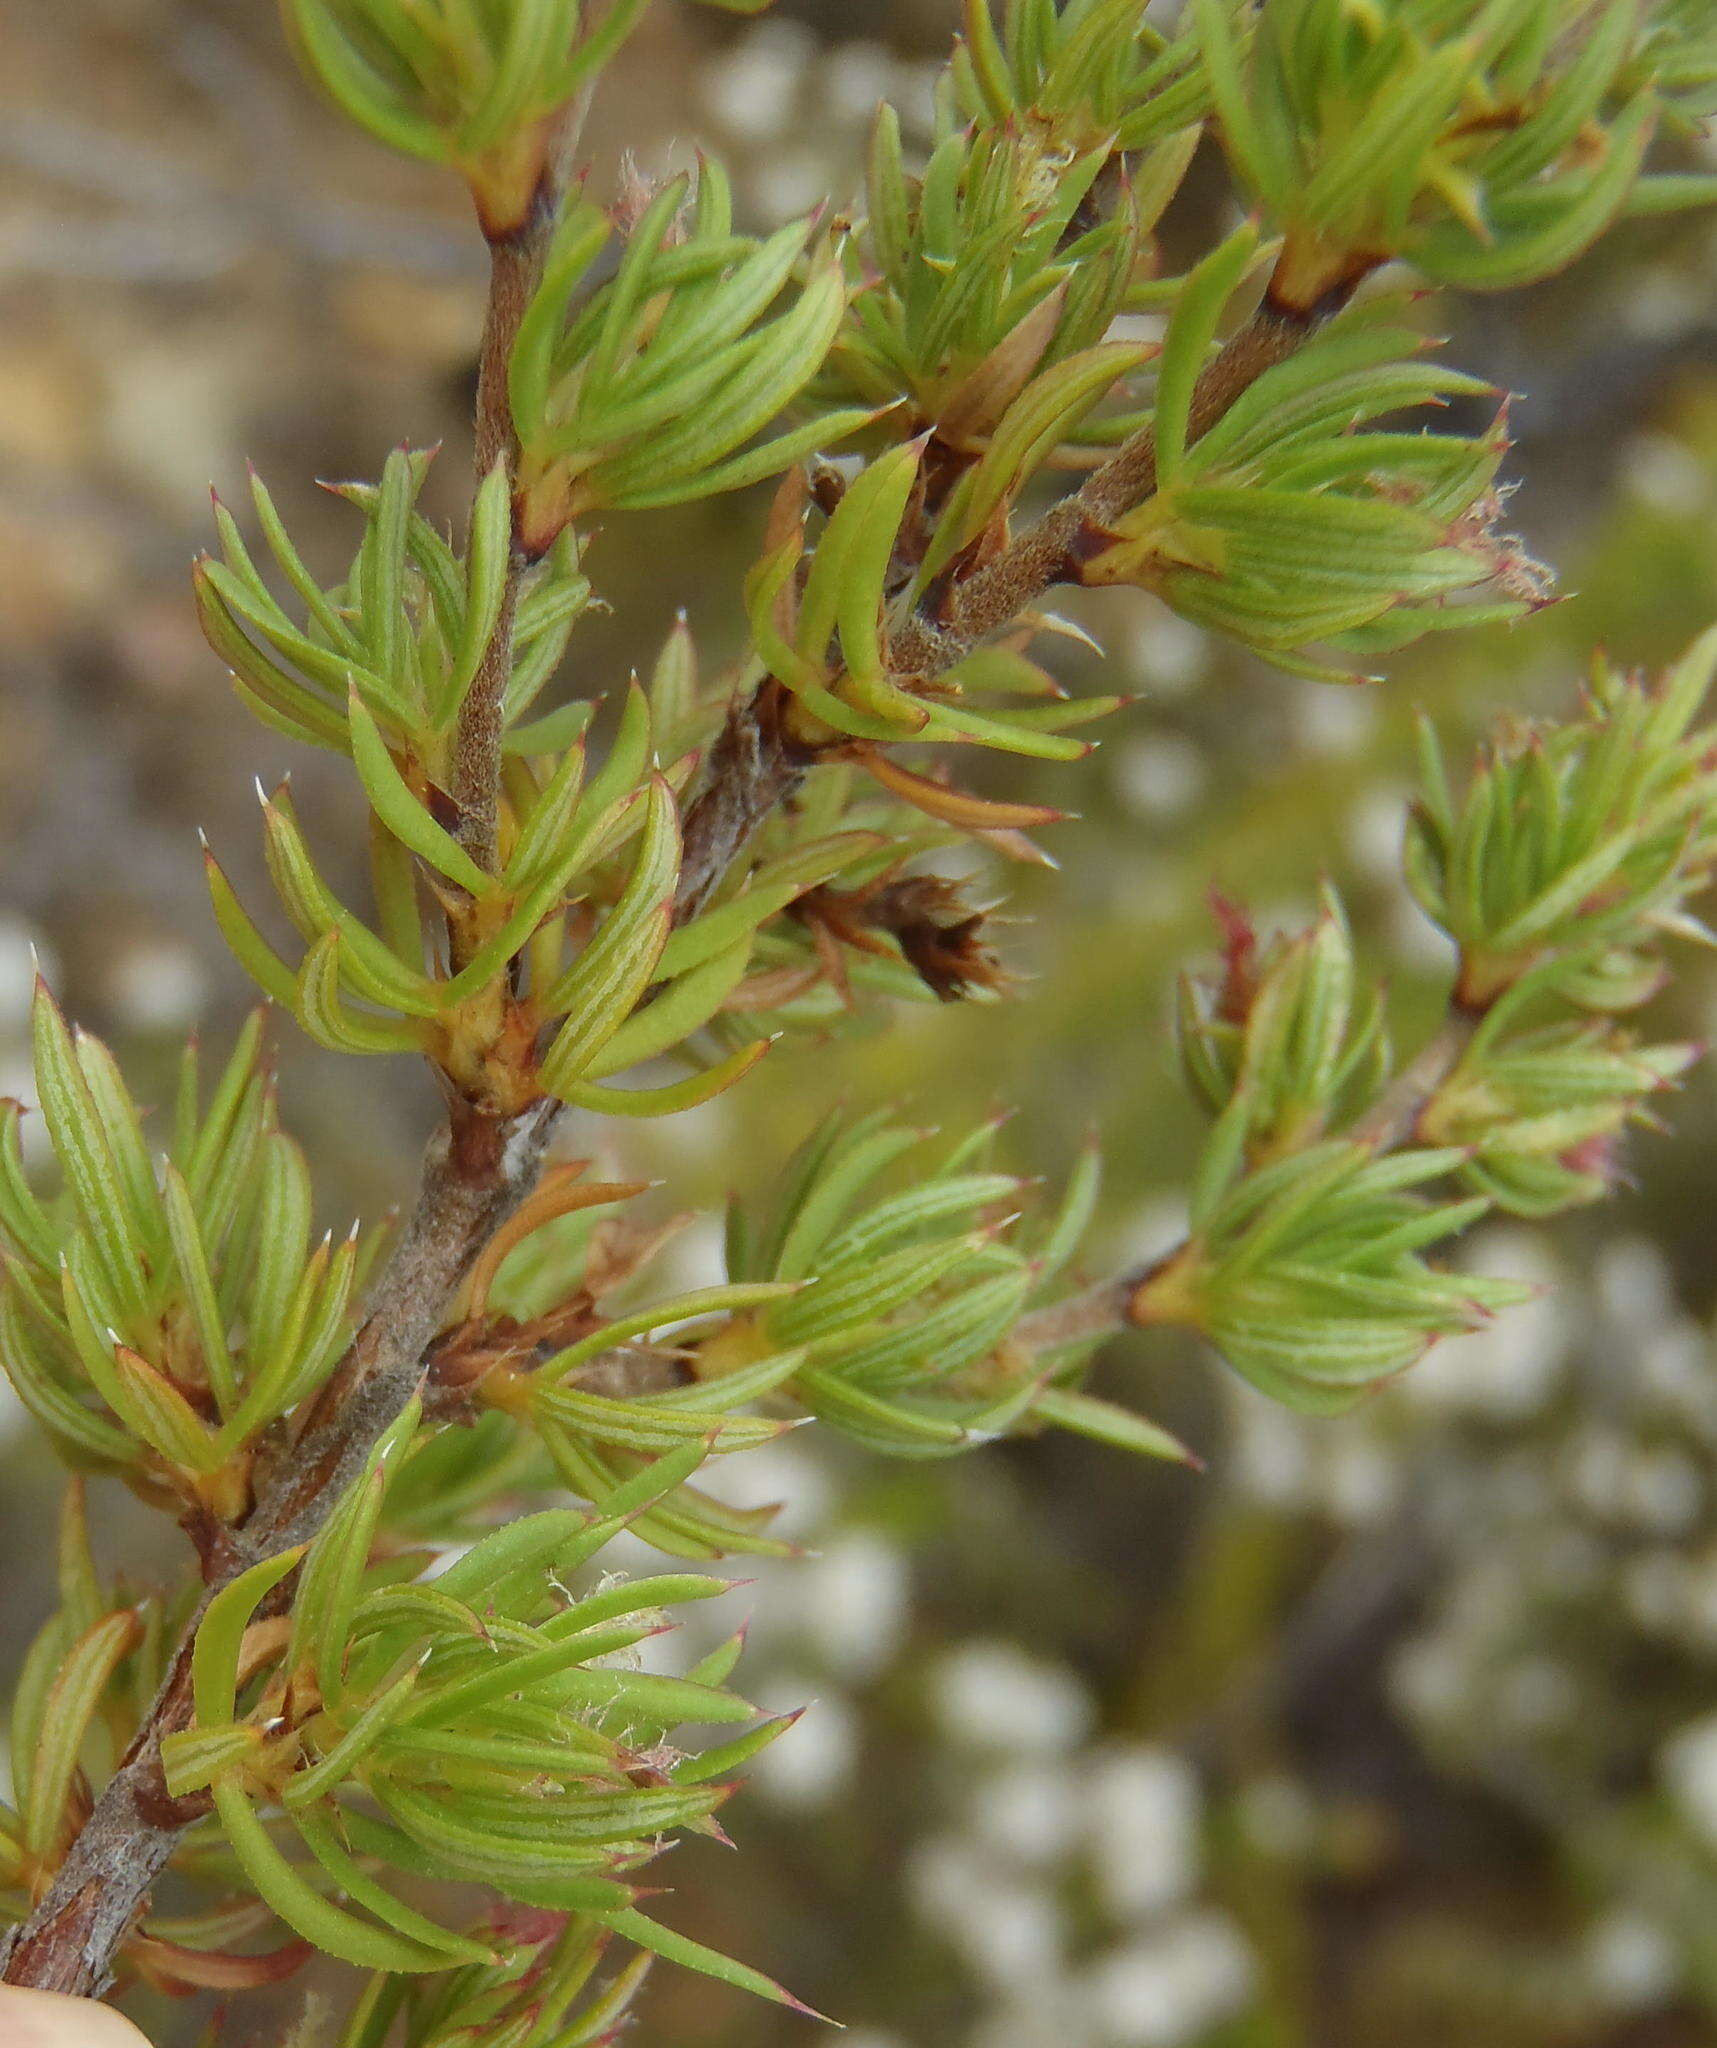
976,382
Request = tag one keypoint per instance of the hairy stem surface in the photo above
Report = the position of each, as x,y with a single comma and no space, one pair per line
515,269
1049,551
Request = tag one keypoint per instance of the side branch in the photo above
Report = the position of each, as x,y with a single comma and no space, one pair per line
1111,1306
757,763
754,767
1394,1118
1050,551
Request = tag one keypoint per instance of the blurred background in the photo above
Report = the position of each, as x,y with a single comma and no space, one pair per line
1399,1728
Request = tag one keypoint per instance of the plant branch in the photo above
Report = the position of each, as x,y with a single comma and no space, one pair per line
1107,1308
1099,1311
1394,1118
754,767
756,764
481,1167
1050,551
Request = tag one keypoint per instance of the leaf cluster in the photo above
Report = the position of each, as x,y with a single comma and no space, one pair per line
1316,510
1086,71
539,1994
1560,871
406,629
1488,142
555,970
1575,847
821,624
479,85
904,1300
161,1313
479,1724
644,389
